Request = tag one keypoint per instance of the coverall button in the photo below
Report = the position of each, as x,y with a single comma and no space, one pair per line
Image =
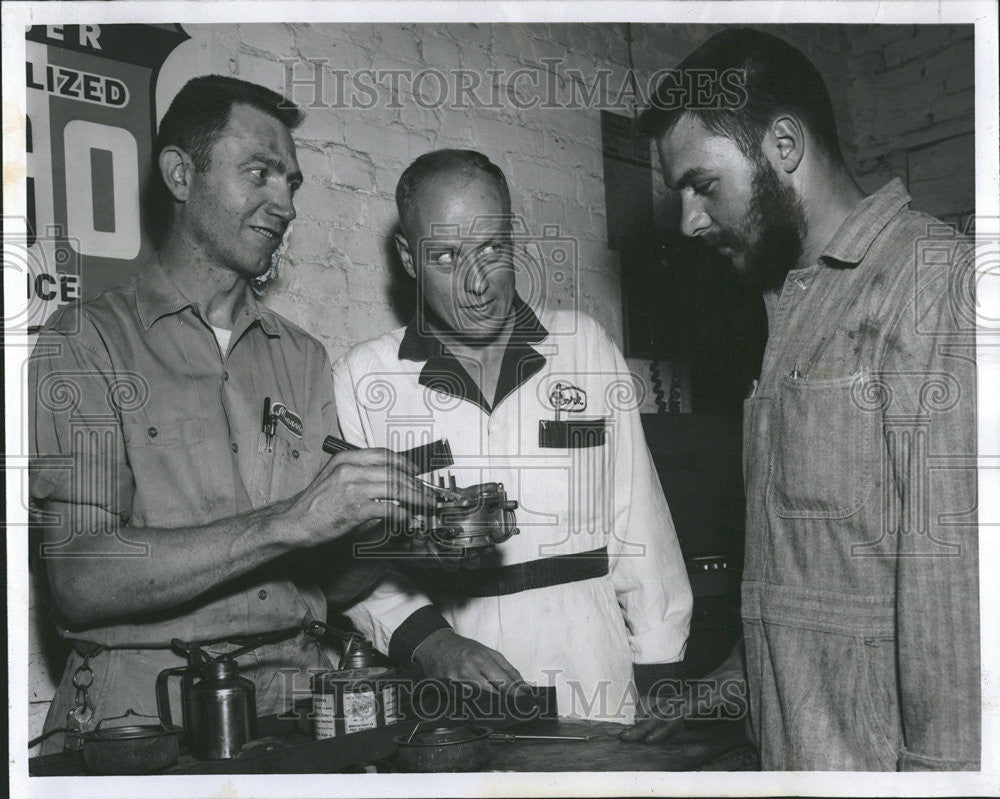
152,432
236,447
225,375
262,594
295,453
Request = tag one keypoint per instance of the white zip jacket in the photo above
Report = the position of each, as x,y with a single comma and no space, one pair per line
404,388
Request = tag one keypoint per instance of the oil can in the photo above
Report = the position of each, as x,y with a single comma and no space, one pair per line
350,700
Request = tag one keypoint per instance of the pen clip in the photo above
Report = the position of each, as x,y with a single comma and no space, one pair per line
267,424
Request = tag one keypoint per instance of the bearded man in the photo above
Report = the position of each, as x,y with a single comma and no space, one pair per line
860,596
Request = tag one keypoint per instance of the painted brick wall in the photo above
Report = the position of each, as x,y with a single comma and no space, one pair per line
903,100
912,96
902,97
341,280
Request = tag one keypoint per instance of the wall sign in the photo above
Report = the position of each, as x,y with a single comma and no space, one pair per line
90,129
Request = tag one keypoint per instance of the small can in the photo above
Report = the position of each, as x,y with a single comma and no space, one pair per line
349,700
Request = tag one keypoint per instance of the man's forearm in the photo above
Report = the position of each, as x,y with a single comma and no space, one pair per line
92,586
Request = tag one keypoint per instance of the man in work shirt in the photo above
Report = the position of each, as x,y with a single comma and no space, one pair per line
860,586
167,511
594,587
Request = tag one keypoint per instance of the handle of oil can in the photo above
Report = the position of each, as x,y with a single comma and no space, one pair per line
163,695
261,640
318,628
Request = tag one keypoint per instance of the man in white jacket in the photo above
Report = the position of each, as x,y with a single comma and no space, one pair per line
593,592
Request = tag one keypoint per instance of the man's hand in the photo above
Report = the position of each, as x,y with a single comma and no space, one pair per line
445,654
723,689
660,722
356,487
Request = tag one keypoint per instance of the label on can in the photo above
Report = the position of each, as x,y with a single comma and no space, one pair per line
350,700
390,707
360,712
325,715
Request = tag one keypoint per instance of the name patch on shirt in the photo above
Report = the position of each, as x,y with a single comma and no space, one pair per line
291,420
571,433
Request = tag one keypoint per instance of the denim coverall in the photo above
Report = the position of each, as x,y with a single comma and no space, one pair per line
861,592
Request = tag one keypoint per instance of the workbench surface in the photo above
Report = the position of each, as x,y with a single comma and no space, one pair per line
718,746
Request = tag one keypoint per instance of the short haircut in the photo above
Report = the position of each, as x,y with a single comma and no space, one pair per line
194,122
439,162
778,78
200,112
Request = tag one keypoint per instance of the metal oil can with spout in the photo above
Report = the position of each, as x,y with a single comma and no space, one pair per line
358,695
218,706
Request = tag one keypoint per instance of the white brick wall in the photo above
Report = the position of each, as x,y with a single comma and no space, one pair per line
353,157
912,112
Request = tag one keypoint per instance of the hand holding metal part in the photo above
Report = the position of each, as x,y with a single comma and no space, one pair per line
471,522
466,522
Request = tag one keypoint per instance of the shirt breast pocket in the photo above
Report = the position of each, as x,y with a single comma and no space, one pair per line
167,458
576,488
824,447
164,434
279,472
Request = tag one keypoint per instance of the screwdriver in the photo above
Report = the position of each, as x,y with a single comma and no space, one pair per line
333,445
509,737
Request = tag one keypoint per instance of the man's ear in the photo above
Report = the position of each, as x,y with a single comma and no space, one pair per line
785,143
176,167
403,248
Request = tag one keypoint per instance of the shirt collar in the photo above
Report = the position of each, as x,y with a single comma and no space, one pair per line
157,296
420,344
444,373
868,218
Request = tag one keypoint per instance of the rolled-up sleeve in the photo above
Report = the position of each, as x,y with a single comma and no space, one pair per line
77,452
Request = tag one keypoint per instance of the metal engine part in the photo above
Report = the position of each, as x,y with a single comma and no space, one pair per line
471,520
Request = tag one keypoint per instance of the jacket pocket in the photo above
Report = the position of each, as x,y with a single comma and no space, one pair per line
816,710
823,448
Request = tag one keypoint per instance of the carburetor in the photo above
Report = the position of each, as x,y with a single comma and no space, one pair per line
468,521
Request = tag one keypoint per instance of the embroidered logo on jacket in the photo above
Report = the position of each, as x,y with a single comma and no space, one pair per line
291,420
568,398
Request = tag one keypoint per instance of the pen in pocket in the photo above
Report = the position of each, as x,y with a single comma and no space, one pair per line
268,424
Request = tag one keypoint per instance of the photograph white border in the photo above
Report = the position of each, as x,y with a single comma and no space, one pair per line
981,13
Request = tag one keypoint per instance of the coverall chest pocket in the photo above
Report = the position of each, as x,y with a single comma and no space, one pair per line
824,446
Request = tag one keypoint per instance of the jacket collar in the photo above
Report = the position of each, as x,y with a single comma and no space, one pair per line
869,217
420,344
157,296
444,373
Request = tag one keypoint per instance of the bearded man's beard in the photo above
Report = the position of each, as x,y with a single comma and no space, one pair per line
771,235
